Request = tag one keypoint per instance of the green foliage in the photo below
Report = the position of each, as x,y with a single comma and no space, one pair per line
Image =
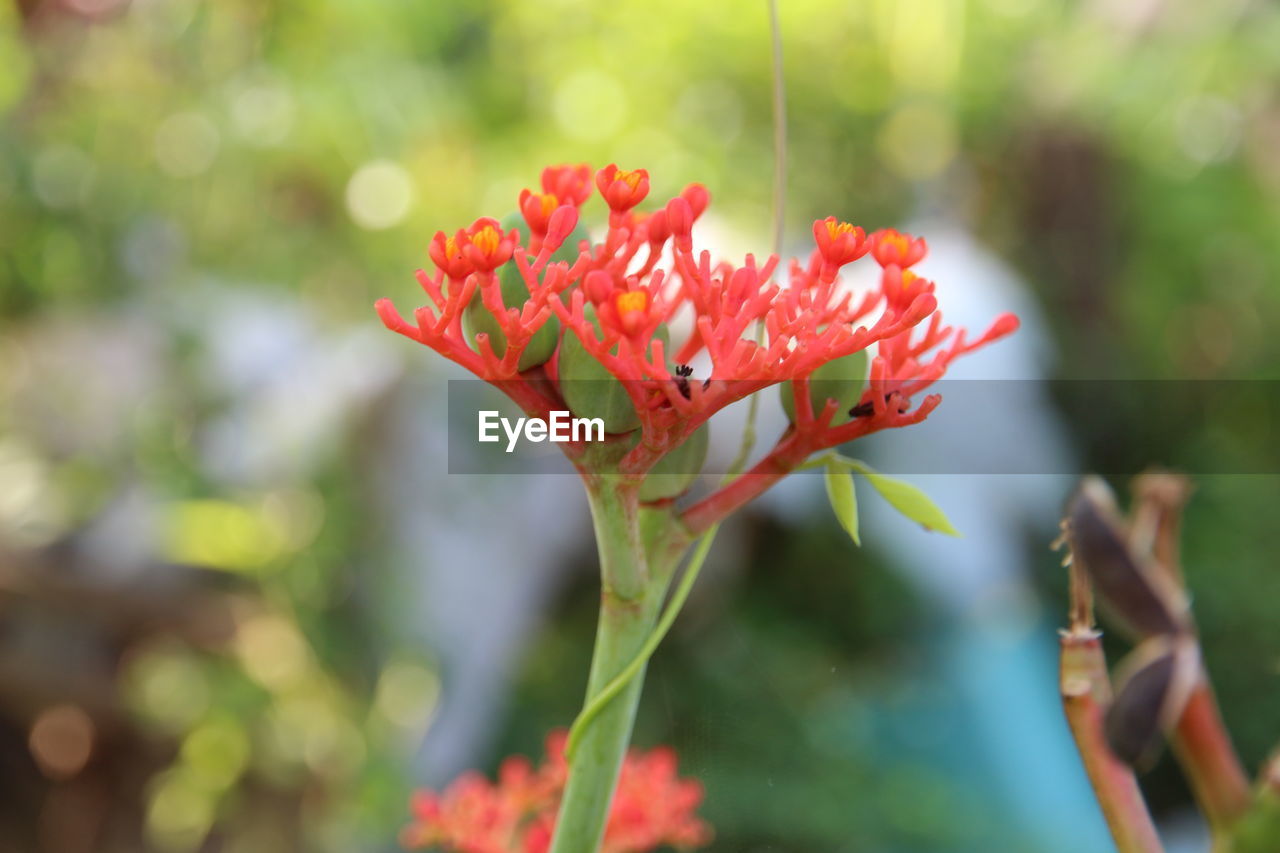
844,500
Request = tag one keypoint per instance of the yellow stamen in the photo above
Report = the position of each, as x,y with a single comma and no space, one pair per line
632,300
836,229
548,202
486,239
631,179
898,241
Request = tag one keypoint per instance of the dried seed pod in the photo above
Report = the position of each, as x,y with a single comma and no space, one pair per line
1135,592
674,473
1153,684
841,379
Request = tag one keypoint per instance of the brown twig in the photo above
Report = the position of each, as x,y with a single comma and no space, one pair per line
1086,692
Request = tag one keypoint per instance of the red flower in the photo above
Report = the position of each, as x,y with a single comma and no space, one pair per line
485,245
446,254
839,243
537,209
622,190
893,248
652,808
569,184
808,320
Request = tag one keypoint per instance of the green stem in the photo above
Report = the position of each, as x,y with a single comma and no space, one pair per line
601,700
629,605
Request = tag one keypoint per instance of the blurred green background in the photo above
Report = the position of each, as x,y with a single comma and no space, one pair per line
212,629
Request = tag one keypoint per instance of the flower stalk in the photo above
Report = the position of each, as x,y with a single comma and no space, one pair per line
633,587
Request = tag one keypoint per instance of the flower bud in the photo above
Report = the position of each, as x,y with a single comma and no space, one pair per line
697,197
561,226
599,286
680,216
657,228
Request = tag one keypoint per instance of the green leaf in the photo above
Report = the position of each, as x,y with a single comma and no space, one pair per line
908,500
844,501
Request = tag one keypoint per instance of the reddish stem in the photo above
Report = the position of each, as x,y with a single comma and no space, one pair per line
1086,692
1209,760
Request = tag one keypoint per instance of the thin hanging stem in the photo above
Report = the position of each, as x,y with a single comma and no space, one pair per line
779,130
779,213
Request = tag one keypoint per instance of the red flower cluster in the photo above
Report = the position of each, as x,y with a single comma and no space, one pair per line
644,276
652,807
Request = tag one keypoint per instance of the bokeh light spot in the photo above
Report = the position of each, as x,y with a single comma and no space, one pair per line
217,752
60,176
180,813
379,195
590,105
917,141
263,114
61,741
167,686
407,694
219,534
272,651
186,145
1208,129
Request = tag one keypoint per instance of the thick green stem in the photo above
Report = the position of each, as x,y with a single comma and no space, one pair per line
615,515
629,604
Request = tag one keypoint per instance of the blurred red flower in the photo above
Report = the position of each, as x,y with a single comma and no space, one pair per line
652,807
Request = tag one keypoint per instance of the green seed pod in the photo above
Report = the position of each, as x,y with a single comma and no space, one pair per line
590,389
476,318
842,378
675,472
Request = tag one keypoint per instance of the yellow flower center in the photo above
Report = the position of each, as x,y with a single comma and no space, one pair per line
486,239
898,241
632,300
451,248
908,278
631,179
836,229
548,203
